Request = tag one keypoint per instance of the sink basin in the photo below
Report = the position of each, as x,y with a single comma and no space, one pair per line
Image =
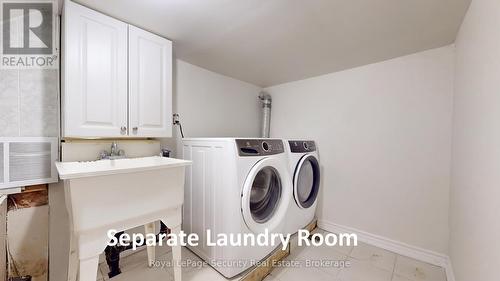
119,194
72,170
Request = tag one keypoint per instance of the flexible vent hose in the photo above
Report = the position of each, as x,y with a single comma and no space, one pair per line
266,102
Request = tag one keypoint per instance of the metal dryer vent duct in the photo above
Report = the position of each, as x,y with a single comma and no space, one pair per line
266,102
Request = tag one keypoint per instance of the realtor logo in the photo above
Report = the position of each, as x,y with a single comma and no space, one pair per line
27,28
28,35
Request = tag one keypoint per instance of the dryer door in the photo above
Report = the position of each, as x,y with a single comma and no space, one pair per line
266,196
306,181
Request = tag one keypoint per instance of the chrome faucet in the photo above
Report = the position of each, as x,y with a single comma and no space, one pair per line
115,153
114,148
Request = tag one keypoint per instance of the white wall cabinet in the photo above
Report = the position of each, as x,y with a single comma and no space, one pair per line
117,79
95,74
150,84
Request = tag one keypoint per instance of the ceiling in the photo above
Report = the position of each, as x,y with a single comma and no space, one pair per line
269,42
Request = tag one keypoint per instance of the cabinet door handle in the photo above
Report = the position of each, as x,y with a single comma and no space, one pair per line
135,129
123,129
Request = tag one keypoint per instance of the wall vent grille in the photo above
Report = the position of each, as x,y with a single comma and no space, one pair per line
27,161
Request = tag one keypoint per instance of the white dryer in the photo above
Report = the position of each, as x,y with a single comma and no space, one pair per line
305,172
235,186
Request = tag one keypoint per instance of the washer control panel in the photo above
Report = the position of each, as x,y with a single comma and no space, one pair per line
301,146
259,147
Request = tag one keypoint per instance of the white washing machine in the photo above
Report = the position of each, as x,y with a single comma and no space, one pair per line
235,186
305,172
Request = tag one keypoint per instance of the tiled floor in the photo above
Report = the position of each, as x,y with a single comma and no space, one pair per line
361,263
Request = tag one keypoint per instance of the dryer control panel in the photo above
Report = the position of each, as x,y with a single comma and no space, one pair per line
259,147
301,146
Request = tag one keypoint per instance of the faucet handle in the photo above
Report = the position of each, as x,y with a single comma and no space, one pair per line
103,155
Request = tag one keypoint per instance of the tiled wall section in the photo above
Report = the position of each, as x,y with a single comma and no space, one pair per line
29,103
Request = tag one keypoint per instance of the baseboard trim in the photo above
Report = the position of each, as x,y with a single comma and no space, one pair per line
394,246
450,275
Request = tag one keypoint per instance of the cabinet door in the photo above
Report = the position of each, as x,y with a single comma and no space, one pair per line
94,74
150,84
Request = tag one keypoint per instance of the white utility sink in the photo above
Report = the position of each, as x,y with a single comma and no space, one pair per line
119,194
72,170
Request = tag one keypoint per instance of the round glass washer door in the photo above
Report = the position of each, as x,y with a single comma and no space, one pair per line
306,181
265,196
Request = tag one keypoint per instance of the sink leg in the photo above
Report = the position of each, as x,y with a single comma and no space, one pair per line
177,256
73,259
150,228
88,269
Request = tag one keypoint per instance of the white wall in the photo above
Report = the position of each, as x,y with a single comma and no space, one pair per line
384,136
475,192
213,105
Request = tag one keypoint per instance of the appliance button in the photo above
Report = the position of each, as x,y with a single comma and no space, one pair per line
306,146
265,146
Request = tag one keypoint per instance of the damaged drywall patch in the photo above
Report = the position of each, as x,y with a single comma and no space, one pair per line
27,238
32,196
3,237
37,269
